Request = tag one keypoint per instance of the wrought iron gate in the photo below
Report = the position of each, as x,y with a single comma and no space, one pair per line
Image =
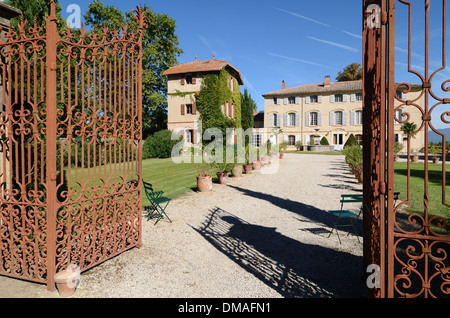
409,241
70,155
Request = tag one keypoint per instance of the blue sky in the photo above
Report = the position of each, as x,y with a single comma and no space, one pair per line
268,41
297,41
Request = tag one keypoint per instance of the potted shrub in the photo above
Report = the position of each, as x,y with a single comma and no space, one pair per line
299,145
238,166
397,148
204,179
248,167
434,150
283,147
224,168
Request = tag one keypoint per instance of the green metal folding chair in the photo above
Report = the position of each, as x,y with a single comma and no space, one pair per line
158,203
344,218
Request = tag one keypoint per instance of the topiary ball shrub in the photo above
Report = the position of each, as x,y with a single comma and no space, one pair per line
324,141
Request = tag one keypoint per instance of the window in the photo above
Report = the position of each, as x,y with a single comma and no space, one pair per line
313,119
339,98
291,119
399,115
358,117
314,99
338,118
189,109
274,120
291,140
359,139
359,97
256,140
275,101
291,100
189,136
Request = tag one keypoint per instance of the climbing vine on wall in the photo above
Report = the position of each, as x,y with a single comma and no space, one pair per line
215,92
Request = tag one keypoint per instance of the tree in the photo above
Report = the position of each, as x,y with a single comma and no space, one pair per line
160,52
36,9
248,107
352,72
408,129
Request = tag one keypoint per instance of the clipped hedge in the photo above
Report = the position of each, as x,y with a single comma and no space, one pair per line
159,145
354,159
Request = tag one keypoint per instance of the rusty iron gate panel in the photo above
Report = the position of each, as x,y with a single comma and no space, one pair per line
71,140
409,241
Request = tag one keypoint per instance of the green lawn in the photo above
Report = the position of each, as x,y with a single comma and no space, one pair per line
416,205
172,178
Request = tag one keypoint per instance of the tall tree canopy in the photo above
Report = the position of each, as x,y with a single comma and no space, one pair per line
39,9
352,72
160,51
248,107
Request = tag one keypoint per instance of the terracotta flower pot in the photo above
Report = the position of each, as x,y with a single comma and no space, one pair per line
66,282
256,165
435,159
237,171
281,155
414,158
248,169
223,177
204,183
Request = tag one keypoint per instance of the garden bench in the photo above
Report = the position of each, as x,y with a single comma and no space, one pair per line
158,203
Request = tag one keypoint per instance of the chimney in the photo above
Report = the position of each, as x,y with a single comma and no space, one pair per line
283,85
327,81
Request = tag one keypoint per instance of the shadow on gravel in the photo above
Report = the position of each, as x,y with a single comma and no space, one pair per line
309,212
292,268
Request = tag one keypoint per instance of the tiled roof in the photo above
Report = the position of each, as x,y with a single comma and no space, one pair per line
319,88
202,66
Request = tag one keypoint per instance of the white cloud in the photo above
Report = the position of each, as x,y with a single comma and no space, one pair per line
341,46
300,60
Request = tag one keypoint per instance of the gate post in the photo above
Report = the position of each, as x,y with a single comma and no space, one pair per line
51,98
374,117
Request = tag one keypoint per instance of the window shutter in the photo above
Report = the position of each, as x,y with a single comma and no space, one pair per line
194,136
234,110
194,80
352,117
278,101
230,109
271,120
404,96
319,119
353,97
331,118
285,101
344,118
297,138
308,99
183,81
297,119
285,120
306,139
332,99
344,97
297,100
278,120
286,138
183,109
319,99
307,119
270,101
194,109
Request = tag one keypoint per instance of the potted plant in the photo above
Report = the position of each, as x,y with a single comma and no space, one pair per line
397,148
248,167
204,179
283,147
414,156
299,145
434,150
238,166
224,168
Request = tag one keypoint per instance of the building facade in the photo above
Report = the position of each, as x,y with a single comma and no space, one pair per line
308,113
184,84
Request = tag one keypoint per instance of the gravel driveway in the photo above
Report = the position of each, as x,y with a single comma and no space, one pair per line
263,235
